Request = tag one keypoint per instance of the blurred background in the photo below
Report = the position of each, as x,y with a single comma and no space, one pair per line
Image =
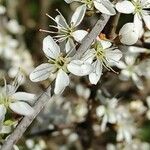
71,121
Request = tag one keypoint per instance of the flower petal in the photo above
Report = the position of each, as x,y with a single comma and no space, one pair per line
113,56
23,96
42,72
79,35
96,74
105,7
138,24
21,108
125,7
62,80
137,81
61,21
78,15
105,44
10,89
100,111
50,47
79,68
147,20
70,1
70,46
2,112
128,34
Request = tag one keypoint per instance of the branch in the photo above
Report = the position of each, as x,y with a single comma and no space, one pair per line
45,96
114,25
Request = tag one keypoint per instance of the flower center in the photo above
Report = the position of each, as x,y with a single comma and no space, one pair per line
101,56
60,63
99,53
89,3
67,32
138,6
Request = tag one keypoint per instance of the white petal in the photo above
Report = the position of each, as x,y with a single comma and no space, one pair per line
79,68
125,7
96,74
137,81
50,47
125,75
105,7
113,55
121,65
88,56
138,24
100,111
61,21
70,1
104,123
2,112
21,108
70,46
147,20
62,80
105,44
78,15
10,89
79,35
42,72
134,49
23,96
120,135
128,34
130,59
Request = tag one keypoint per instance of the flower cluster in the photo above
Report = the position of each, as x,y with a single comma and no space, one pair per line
101,95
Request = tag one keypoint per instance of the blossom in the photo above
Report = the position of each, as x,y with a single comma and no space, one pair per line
8,45
125,129
107,112
130,70
15,101
69,31
14,27
102,54
103,6
59,64
140,10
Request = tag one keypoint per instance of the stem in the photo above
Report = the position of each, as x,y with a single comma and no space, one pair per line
115,21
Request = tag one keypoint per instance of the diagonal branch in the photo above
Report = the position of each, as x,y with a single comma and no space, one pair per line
45,96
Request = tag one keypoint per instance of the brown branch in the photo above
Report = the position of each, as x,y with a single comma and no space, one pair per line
43,99
114,25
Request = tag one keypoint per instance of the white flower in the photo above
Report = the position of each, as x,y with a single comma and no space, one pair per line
59,64
103,6
16,101
14,27
130,70
125,129
82,91
140,10
68,31
8,45
107,112
2,10
101,54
